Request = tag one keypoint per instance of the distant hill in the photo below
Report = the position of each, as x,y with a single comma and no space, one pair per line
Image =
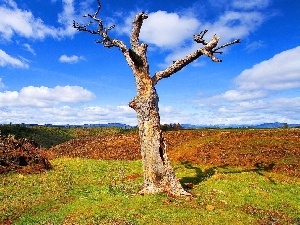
276,125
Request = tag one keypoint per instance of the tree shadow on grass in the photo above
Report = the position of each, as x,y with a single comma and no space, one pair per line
259,169
204,175
200,175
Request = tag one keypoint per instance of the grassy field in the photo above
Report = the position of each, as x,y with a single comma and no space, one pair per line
88,191
236,176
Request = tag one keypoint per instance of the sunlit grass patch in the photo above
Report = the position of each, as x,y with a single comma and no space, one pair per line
82,191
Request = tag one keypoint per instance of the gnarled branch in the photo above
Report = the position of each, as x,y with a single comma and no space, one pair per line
102,31
136,29
209,49
227,44
138,50
199,37
135,56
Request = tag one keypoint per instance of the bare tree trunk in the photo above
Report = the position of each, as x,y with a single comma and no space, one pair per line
158,172
159,175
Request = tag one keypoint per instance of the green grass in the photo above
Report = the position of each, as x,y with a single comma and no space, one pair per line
81,191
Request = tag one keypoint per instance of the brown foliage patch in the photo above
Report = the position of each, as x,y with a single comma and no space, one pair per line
115,147
273,149
266,217
22,155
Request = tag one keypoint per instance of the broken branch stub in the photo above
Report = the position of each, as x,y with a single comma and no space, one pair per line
210,48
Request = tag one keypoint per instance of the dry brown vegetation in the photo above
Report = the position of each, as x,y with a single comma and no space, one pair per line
269,149
21,155
276,150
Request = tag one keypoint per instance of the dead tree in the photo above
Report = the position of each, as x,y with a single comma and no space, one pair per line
158,172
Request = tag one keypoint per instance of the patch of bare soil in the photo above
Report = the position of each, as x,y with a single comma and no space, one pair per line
24,156
276,150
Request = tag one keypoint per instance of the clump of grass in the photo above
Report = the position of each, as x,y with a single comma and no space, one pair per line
85,191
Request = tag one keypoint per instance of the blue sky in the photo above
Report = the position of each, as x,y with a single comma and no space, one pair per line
50,73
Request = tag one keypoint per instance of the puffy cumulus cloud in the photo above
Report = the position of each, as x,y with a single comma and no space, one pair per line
21,22
274,75
278,73
264,93
7,60
173,31
229,26
70,59
44,96
168,30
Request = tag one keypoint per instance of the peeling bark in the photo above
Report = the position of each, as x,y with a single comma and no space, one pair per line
158,172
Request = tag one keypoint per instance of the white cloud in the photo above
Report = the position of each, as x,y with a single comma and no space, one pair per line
168,30
279,107
234,25
229,26
7,60
250,4
68,115
70,59
66,18
163,29
29,49
261,94
248,112
236,112
234,95
278,73
174,32
169,114
16,21
22,22
44,96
